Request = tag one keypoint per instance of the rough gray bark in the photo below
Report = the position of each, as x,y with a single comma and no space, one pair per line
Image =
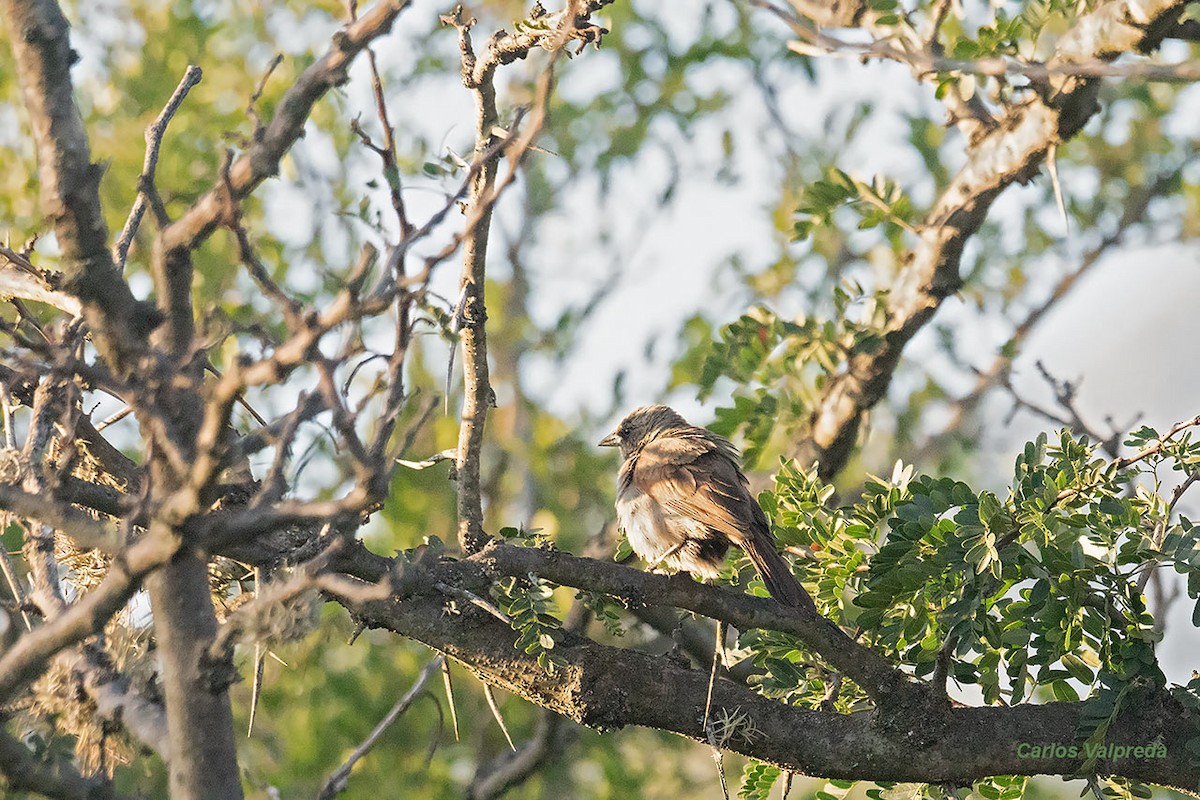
70,181
915,739
199,716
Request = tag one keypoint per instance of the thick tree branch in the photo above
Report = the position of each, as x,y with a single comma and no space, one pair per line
873,673
199,715
27,773
70,181
887,684
195,688
918,738
607,688
27,657
86,531
1012,152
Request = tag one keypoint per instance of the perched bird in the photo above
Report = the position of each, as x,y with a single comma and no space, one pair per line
682,500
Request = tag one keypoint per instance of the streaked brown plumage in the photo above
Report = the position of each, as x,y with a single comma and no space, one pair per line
682,500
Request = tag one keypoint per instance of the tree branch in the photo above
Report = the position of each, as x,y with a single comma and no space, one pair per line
551,735
1134,213
27,773
70,181
154,136
868,669
19,278
195,690
553,32
261,161
27,657
606,688
86,531
1010,153
336,783
471,307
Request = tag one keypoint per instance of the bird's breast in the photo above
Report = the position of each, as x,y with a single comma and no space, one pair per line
651,528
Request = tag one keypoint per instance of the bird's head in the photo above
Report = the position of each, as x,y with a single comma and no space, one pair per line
642,425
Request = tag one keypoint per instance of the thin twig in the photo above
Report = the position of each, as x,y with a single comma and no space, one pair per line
115,418
154,137
718,650
1161,527
925,62
336,783
10,575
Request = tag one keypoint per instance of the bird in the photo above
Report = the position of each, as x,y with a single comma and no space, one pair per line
682,500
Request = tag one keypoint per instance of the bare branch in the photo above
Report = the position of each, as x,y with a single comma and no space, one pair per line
472,310
195,690
19,278
1134,213
53,401
875,675
261,161
336,783
25,772
922,741
70,181
154,136
930,62
1012,152
27,657
550,736
552,32
86,532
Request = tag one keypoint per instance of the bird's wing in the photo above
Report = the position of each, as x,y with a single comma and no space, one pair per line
695,477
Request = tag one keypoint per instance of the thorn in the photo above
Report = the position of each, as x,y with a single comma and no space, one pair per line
491,701
450,696
1052,164
445,455
255,687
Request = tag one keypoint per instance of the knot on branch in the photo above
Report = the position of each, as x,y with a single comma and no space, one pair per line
217,672
12,466
916,713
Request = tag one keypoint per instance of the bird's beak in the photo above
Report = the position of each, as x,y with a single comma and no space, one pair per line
612,440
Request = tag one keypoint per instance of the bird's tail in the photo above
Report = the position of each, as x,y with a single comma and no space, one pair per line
776,573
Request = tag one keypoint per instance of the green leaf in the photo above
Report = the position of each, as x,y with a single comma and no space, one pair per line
757,780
